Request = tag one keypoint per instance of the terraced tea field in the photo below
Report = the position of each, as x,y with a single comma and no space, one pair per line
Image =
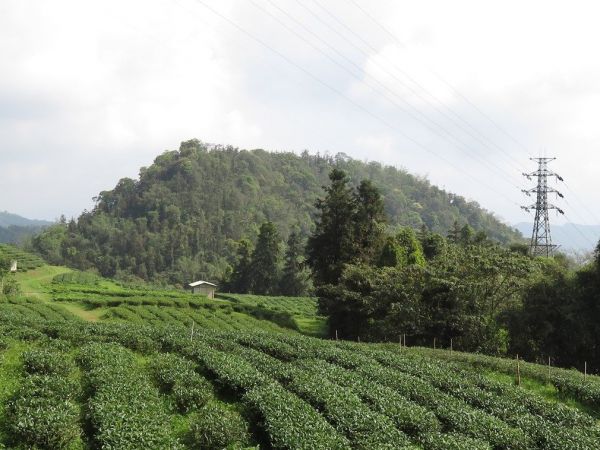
25,261
172,371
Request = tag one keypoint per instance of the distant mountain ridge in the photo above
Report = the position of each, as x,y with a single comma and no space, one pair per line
14,228
183,217
571,237
9,219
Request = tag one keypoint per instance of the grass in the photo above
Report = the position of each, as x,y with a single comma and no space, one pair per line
546,390
89,315
312,326
35,283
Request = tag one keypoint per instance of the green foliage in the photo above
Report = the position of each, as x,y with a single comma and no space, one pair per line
241,278
179,220
369,220
402,250
44,362
292,423
77,277
294,278
332,243
177,376
462,294
217,426
43,412
265,261
294,391
559,317
125,410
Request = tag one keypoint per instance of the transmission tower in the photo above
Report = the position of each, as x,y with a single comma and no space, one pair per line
541,240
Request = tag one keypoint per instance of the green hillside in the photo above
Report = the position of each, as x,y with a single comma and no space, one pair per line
88,363
25,260
182,218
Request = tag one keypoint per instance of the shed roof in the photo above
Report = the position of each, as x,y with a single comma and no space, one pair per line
201,283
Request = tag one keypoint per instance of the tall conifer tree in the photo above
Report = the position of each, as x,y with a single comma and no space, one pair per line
332,244
294,280
369,221
265,260
241,278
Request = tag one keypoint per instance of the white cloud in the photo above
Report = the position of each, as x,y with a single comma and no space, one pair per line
91,91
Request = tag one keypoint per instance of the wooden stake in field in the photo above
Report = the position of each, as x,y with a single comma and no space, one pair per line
548,369
336,335
585,371
518,372
404,338
358,337
434,343
450,345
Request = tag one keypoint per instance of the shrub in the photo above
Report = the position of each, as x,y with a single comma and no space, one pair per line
291,422
177,376
43,413
217,427
45,362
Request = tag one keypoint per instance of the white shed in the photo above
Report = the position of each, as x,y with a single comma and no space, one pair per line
203,288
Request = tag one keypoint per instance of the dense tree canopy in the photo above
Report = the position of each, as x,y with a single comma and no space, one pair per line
186,213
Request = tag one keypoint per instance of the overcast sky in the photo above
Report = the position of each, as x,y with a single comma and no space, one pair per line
91,91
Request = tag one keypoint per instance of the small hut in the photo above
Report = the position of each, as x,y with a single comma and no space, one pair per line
203,288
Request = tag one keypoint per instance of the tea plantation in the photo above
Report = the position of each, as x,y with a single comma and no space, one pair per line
88,363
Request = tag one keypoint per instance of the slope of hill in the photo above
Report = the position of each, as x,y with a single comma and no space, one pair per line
571,237
8,219
181,219
161,379
25,260
14,228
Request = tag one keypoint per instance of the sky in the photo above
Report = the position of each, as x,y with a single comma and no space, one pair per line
460,92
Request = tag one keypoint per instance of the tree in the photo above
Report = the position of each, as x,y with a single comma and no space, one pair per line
433,244
265,261
241,278
294,279
454,234
332,243
374,303
413,252
402,250
467,234
391,254
369,221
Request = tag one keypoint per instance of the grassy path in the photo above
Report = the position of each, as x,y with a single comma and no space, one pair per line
35,283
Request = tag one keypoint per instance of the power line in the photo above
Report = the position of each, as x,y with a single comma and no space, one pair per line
355,104
455,141
517,164
589,211
446,83
451,87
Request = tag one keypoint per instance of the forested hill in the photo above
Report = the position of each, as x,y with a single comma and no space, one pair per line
182,218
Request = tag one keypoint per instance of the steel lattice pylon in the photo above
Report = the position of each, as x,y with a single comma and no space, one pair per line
541,240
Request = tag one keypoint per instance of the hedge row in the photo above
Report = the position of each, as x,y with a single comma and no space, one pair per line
125,410
44,412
